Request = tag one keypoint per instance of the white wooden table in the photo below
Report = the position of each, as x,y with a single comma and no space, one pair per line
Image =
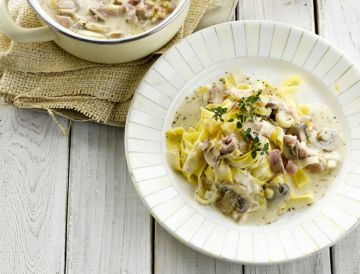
67,203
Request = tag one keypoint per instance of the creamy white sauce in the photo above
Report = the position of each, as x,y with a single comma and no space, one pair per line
320,182
188,115
113,22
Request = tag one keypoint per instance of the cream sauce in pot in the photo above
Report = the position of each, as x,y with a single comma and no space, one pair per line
109,19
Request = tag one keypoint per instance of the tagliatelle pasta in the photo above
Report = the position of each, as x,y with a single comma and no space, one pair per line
250,148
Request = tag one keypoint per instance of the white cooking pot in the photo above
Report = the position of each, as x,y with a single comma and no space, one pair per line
96,50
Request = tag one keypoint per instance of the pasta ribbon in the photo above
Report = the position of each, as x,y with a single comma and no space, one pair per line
230,81
277,137
300,178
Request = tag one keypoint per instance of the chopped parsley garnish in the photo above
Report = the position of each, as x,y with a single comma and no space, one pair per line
247,109
256,144
258,148
247,103
247,135
218,113
265,149
231,120
241,119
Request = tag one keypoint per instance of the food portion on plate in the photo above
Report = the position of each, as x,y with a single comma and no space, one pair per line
109,19
251,150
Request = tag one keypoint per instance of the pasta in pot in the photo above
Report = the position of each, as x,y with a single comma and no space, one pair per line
251,149
109,19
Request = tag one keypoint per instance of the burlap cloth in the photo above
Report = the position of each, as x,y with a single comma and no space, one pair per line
43,76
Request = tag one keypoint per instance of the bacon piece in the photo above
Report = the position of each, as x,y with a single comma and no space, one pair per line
276,163
65,21
291,167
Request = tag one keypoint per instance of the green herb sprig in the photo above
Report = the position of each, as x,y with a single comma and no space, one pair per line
241,119
247,109
247,103
258,148
218,113
256,144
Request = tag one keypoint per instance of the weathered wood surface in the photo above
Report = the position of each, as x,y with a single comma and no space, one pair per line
33,189
109,229
295,12
338,21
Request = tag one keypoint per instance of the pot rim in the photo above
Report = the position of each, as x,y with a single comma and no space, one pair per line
45,17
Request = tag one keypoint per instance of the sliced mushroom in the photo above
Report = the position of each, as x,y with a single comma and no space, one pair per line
281,190
299,130
212,156
234,198
315,164
328,139
290,140
276,163
302,150
228,144
290,153
274,104
284,118
227,201
299,151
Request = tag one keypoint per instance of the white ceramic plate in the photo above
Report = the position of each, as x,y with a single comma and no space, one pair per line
271,51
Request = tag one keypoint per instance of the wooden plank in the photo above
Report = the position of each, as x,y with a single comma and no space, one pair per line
300,13
339,23
34,168
109,229
173,257
317,264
